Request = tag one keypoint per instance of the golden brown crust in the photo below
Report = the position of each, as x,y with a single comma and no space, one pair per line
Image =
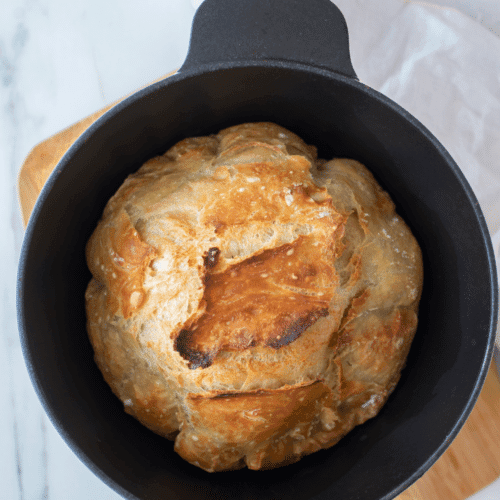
249,421
117,258
250,301
268,299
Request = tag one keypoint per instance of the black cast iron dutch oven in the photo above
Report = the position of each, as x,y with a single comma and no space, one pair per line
285,61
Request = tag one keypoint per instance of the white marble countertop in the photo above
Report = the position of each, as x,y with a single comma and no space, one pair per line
61,61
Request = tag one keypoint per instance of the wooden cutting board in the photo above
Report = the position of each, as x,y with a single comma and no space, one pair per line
470,463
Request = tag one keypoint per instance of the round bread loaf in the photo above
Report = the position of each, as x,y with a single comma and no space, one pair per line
250,301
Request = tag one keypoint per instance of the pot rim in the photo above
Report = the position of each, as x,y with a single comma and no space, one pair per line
178,78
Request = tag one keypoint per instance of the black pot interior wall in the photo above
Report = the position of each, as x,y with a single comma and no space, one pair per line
342,120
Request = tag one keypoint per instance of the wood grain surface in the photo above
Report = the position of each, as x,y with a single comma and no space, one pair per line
471,462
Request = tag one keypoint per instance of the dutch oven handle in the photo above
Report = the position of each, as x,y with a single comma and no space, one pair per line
311,32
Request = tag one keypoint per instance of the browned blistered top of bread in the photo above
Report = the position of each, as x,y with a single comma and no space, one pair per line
249,300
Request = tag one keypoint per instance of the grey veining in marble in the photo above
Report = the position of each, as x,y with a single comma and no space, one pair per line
61,61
